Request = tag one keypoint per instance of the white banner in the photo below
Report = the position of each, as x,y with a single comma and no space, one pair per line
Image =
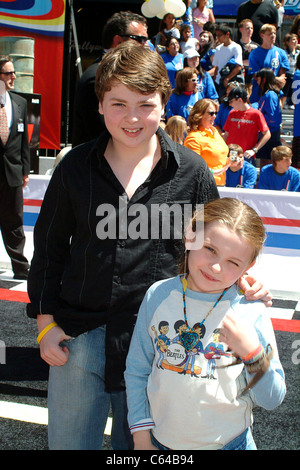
280,212
278,267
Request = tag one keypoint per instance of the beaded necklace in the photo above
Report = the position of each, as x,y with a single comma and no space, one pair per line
189,338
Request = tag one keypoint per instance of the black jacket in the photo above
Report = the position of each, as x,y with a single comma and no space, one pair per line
86,282
88,123
15,155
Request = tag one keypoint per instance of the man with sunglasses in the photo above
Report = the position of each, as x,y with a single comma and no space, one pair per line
14,167
87,122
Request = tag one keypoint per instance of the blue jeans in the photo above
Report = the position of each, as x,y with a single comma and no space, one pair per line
78,403
242,442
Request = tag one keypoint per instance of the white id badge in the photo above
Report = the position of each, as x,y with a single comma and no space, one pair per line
20,126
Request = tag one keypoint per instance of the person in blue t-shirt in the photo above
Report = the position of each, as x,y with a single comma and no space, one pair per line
269,105
268,56
173,59
296,125
240,174
184,95
207,51
206,87
280,175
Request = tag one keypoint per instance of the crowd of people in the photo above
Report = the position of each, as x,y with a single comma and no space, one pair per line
205,61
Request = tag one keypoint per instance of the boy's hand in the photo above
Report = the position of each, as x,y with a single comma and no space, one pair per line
254,290
239,336
50,349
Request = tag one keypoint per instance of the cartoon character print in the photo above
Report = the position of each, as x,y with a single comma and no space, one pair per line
179,353
197,347
213,351
161,341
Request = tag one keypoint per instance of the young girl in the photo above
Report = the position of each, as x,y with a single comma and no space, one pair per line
201,15
207,51
186,39
168,29
176,128
198,343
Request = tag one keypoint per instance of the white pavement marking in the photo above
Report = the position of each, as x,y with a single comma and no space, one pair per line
26,413
282,313
32,414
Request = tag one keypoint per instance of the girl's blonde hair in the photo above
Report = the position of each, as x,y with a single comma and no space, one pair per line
176,128
237,216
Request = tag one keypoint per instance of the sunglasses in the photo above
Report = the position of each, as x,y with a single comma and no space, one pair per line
212,113
192,80
8,73
139,39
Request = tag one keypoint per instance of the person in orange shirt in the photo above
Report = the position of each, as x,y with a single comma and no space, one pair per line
205,140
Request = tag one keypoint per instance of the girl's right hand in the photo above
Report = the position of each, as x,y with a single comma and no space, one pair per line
142,441
240,336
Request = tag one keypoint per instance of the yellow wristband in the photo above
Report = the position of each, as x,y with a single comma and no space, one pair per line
45,330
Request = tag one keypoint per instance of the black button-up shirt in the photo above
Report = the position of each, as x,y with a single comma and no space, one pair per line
84,279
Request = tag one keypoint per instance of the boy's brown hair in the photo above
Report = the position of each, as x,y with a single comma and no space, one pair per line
267,27
236,148
279,153
244,21
136,67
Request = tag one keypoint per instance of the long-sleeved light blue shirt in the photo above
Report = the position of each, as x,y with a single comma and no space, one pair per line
183,396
